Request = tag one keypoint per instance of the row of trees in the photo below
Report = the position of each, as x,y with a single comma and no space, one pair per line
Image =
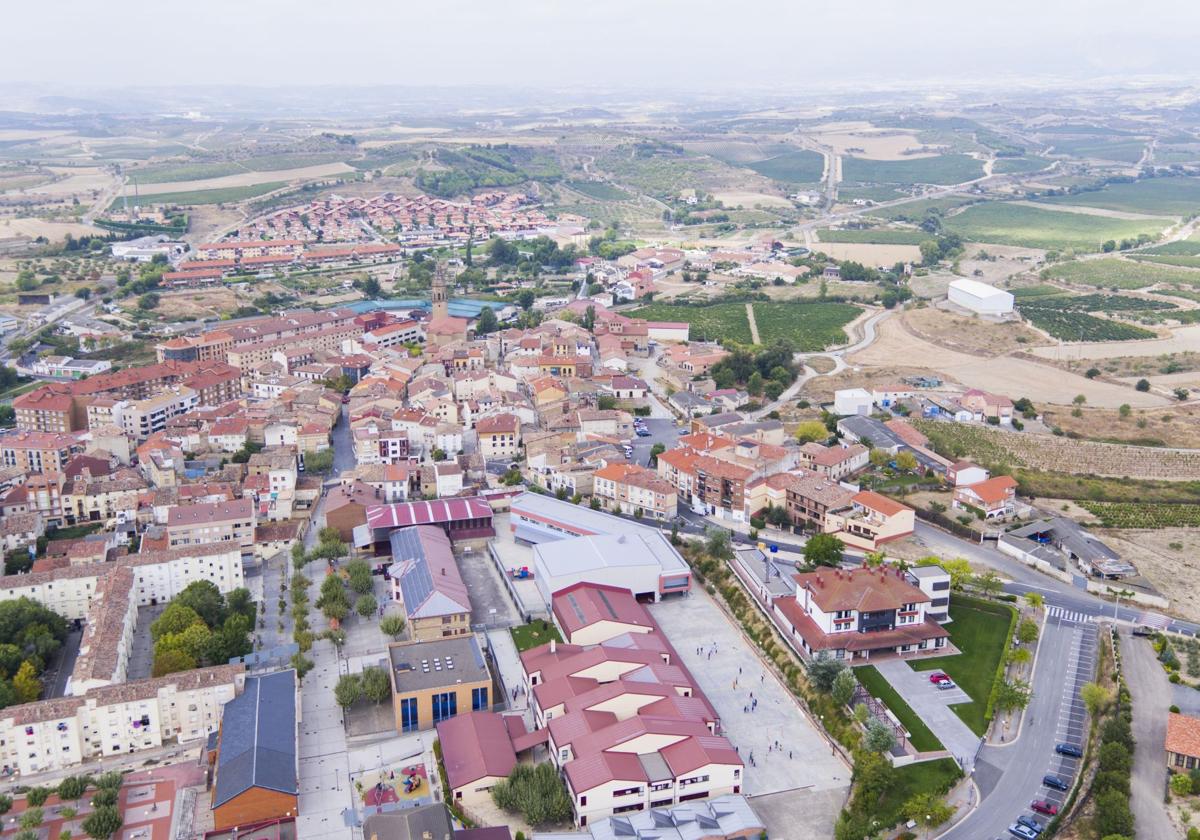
103,822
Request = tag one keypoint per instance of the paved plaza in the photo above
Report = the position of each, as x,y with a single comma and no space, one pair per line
729,672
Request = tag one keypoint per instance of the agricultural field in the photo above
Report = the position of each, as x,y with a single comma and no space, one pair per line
798,167
1039,291
1069,324
1180,261
599,190
914,211
1143,515
1032,227
1122,151
1116,273
874,237
940,169
880,193
170,172
1155,196
229,195
1060,454
1018,165
1183,248
809,326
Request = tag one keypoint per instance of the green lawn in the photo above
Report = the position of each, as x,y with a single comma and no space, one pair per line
527,636
74,532
940,169
800,167
221,196
980,630
920,735
1162,196
1004,223
935,777
875,237
1116,273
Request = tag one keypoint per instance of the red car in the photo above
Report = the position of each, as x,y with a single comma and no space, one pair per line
1044,807
937,677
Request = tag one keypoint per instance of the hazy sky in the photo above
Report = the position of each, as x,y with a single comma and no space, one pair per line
645,44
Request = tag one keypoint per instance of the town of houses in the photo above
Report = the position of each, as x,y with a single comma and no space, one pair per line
197,467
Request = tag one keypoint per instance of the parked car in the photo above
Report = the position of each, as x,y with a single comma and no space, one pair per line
944,685
1022,831
643,433
1069,749
1031,823
938,676
1052,781
683,431
1044,807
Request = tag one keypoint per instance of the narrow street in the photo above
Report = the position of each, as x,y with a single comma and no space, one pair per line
1152,695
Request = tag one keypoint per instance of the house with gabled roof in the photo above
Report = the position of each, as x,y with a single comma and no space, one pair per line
425,579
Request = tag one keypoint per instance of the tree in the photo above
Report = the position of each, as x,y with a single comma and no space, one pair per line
1142,385
359,574
811,430
83,293
176,618
988,583
755,384
656,450
1096,697
1035,600
366,605
1181,785
927,809
148,301
376,686
1013,694
486,323
1020,656
348,689
112,780
823,550
320,461
5,803
172,661
525,299
392,625
299,557
71,788
103,823
1112,814
880,737
823,669
843,687
1027,631
958,569
26,684
1124,411
906,461
536,792
718,543
1115,757
37,796
204,597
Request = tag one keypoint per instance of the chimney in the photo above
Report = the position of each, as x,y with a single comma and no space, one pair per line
553,646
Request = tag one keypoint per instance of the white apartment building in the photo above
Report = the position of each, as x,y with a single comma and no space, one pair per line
140,419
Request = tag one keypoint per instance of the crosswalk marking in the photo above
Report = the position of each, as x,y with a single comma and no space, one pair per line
1069,615
1155,620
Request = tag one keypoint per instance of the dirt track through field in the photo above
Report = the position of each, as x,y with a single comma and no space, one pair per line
753,324
1182,340
1001,375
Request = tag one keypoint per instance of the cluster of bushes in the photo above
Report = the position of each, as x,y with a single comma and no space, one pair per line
202,627
30,635
536,792
1111,788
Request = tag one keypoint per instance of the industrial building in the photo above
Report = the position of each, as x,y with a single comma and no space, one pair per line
980,297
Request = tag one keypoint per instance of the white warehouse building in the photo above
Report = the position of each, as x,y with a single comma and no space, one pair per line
980,297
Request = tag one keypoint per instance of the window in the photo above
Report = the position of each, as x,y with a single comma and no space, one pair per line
445,705
582,801
479,699
409,717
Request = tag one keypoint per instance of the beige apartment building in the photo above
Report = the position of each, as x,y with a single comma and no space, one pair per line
218,522
434,681
635,490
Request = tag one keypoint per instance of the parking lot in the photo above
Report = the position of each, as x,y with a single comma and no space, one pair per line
731,675
1071,725
932,705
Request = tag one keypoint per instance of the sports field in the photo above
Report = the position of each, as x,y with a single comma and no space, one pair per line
1032,227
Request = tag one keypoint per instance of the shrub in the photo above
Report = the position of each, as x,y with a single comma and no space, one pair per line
71,788
1181,785
536,792
37,796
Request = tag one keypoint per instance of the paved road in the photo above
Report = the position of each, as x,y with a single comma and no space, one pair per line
1009,775
1152,694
